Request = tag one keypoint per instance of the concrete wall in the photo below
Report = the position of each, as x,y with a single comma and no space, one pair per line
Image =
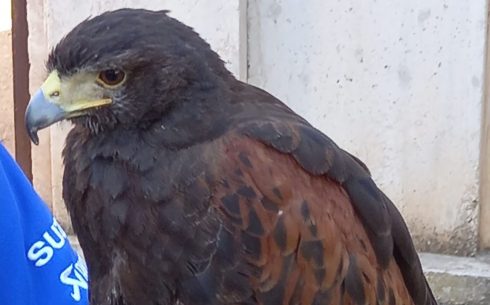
6,84
6,92
400,84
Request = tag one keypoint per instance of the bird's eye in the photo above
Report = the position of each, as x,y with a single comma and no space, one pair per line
111,77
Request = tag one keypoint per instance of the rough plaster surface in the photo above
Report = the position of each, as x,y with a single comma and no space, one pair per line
6,92
216,21
398,83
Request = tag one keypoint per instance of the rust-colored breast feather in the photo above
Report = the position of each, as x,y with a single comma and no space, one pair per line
304,239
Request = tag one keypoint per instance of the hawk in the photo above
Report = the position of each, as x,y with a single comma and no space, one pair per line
187,186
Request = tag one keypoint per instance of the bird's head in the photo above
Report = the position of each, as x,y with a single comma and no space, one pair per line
124,67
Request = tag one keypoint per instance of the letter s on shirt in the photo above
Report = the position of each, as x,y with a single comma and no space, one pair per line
40,253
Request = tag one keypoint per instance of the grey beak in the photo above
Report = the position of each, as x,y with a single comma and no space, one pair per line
40,114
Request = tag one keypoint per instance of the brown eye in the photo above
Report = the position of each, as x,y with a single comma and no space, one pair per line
111,77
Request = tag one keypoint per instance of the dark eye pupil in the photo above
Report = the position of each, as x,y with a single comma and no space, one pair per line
111,76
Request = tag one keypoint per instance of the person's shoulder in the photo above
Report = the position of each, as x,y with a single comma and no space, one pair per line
7,161
4,154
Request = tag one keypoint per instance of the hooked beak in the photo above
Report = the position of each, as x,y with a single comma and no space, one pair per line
40,114
50,105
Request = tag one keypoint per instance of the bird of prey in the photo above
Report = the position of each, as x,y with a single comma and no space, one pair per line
187,186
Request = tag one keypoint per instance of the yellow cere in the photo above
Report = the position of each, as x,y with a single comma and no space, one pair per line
51,85
75,94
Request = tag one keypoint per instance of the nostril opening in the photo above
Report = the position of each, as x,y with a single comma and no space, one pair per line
54,94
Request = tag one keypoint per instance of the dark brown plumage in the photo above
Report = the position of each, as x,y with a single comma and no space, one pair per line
196,188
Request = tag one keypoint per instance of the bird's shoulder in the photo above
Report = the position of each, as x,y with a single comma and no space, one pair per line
291,190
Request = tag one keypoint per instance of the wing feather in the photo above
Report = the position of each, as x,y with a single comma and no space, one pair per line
314,227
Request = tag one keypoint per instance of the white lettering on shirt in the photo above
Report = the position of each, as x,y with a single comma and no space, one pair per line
76,277
39,253
42,251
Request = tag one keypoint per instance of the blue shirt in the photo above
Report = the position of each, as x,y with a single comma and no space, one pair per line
37,263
